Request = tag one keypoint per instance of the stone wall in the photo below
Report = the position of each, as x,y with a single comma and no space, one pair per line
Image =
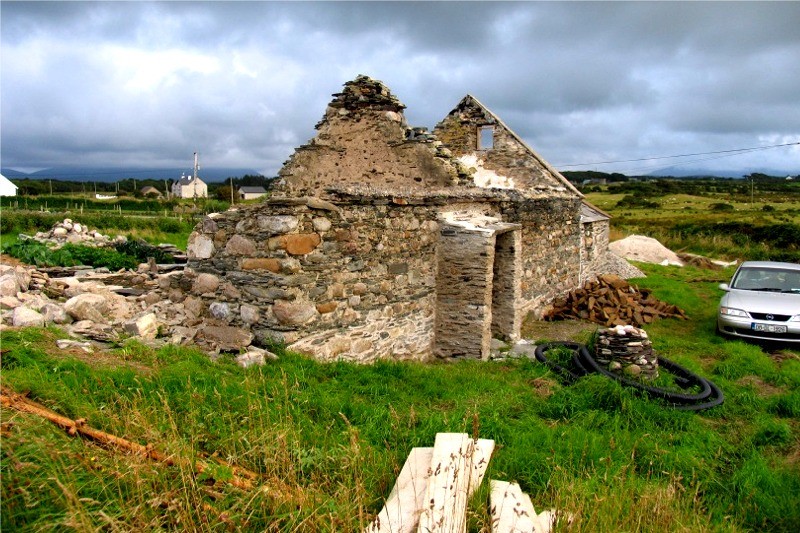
364,139
350,281
594,248
510,163
551,244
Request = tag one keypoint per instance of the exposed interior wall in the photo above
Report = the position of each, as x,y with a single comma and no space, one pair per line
465,130
594,246
551,244
465,262
506,278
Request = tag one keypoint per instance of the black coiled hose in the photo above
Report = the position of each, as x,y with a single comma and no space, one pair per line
583,363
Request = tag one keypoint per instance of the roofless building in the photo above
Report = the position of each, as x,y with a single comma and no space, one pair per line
383,240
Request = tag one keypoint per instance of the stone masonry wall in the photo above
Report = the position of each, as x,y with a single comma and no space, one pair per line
350,282
364,139
508,157
464,293
594,247
551,244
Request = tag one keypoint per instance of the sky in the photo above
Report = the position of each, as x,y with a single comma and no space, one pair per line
146,84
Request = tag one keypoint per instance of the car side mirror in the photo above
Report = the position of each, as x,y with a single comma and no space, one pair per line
724,287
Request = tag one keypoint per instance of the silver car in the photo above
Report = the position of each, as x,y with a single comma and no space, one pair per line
762,302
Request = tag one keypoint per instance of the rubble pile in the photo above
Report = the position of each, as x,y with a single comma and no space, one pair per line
98,305
611,301
364,92
68,231
627,350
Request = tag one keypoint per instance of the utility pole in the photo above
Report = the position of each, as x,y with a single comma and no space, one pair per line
231,190
194,178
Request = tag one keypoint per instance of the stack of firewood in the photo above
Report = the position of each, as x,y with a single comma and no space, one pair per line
611,301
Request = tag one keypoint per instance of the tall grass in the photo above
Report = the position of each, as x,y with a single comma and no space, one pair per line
328,440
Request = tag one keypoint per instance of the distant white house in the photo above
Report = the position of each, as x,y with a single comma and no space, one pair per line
6,187
190,186
251,193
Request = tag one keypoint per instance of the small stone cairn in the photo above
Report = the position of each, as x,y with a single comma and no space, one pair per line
627,350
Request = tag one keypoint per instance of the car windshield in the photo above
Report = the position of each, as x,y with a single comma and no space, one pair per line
767,279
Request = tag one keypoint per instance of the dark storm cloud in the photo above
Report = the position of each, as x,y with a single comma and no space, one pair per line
244,82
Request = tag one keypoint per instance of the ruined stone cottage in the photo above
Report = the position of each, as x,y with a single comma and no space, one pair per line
382,240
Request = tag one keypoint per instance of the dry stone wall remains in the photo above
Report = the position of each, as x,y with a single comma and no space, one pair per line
383,240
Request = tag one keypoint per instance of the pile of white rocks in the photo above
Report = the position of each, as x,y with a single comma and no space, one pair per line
627,350
68,231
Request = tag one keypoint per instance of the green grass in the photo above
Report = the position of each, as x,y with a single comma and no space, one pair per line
689,223
328,440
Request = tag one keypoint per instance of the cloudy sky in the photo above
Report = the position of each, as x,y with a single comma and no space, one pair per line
148,83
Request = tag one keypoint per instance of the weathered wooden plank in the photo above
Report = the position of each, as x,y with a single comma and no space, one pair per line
511,509
400,513
446,496
480,462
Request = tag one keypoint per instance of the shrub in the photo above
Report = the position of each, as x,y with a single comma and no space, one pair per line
632,201
141,251
721,206
100,257
169,225
36,253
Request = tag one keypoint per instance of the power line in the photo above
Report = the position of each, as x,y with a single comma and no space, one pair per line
735,151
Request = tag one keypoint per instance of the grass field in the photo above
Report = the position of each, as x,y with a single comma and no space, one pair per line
327,440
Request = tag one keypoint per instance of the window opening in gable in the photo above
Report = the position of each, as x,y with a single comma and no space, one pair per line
485,137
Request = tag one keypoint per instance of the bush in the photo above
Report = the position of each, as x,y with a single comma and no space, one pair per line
141,251
36,253
169,225
100,257
631,201
721,206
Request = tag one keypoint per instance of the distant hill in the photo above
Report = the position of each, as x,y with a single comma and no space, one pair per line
113,174
683,172
11,173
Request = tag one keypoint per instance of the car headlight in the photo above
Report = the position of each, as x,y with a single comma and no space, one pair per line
795,318
730,311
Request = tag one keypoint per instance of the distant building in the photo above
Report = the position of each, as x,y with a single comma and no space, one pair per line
190,186
251,193
595,181
150,191
7,188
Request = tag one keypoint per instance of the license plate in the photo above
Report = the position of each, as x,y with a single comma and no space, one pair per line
769,328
